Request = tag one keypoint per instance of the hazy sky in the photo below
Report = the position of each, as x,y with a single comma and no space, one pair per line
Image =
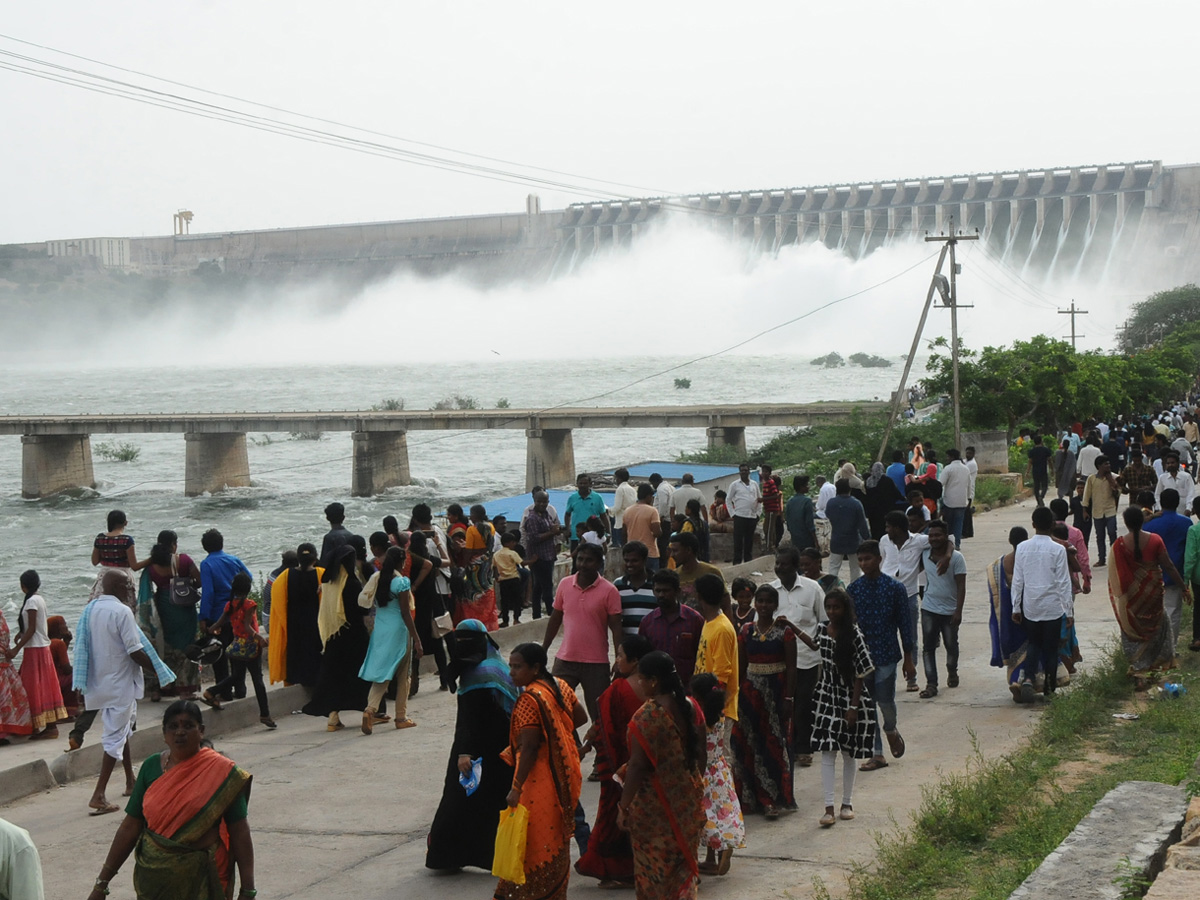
667,96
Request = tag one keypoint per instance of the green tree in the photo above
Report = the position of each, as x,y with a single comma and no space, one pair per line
1158,316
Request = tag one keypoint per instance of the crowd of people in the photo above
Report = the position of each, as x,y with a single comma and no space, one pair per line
718,692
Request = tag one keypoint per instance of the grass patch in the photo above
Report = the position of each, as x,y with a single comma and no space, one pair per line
993,491
117,451
978,834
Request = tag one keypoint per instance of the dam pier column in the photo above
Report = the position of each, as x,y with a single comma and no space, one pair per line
725,436
214,462
51,463
549,457
380,462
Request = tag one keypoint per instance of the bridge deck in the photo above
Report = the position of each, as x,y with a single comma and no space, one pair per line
732,416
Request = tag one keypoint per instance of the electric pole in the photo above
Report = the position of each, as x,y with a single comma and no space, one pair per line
1073,312
950,298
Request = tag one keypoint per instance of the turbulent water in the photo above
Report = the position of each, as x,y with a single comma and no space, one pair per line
293,479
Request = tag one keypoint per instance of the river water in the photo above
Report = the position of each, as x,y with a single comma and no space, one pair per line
293,479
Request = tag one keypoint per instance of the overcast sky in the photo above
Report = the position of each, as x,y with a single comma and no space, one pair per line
663,96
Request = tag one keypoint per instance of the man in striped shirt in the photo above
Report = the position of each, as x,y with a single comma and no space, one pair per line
635,588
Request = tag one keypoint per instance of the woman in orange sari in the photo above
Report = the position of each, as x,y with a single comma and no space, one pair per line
661,802
543,751
1135,587
186,820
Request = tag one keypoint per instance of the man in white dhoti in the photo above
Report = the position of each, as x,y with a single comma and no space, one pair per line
111,657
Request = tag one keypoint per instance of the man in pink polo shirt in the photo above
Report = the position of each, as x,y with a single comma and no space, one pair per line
588,608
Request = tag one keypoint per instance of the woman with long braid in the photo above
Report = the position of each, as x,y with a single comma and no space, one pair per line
661,803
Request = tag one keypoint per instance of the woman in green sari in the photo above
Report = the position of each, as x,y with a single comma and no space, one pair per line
178,622
186,821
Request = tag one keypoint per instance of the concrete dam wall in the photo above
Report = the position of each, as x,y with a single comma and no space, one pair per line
1096,221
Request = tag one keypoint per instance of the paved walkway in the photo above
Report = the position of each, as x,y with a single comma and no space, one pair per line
345,816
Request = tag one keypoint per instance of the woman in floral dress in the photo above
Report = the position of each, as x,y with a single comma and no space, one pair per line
14,703
724,828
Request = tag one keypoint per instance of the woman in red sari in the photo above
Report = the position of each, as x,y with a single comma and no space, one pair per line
471,550
1135,587
661,802
543,752
186,820
609,855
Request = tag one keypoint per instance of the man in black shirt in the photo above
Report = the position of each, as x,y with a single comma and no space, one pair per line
1039,457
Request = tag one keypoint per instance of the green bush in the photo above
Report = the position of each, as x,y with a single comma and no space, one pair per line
122,451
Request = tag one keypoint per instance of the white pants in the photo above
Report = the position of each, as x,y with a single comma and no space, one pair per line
1173,607
849,767
835,566
117,723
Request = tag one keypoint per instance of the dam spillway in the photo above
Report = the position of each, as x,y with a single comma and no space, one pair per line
1099,221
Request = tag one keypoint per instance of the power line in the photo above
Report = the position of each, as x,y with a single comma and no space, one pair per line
607,393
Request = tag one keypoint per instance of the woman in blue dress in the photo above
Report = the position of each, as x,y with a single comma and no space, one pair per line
393,638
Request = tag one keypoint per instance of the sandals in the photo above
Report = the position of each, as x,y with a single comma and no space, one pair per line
405,723
928,693
895,743
268,721
366,723
952,680
872,764
208,699
723,860
912,687
771,812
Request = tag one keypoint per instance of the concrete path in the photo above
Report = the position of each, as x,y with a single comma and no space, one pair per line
345,815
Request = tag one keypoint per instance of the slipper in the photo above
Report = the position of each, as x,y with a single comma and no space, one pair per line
338,726
912,687
366,723
927,693
406,723
952,680
895,743
872,764
380,718
104,810
268,721
208,699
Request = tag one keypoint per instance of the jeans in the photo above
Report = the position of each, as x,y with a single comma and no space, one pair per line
1041,484
914,624
743,538
835,563
1043,639
883,691
936,628
221,670
1104,524
543,586
618,537
237,678
594,677
652,564
802,711
510,599
954,516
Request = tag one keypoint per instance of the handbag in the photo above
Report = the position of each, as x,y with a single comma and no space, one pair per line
441,626
508,862
183,592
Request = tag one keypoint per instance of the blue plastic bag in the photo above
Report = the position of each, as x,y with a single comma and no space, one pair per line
470,782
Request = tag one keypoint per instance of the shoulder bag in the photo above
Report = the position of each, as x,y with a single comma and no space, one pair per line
183,592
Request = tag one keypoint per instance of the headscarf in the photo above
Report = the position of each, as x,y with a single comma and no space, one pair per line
476,663
877,471
331,615
56,627
847,471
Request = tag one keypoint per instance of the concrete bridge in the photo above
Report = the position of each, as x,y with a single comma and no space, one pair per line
57,452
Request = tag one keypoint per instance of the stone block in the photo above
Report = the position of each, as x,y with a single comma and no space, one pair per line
25,779
1182,856
991,450
1175,884
51,463
214,461
1136,820
380,462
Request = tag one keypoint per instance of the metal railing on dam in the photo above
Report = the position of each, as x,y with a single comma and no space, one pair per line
56,450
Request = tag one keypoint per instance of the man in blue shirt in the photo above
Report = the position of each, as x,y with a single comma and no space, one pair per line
216,589
896,472
942,606
881,604
1172,528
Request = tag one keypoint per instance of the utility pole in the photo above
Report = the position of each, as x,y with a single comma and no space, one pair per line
1073,312
950,298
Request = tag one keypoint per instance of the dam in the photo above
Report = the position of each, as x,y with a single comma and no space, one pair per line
1098,221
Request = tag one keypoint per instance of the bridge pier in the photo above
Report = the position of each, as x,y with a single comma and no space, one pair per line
214,462
549,457
724,436
51,463
380,462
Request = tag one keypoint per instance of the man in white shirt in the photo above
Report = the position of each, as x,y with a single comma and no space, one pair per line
20,865
685,492
956,487
624,498
1087,456
743,500
111,677
972,465
1041,600
902,560
801,602
663,490
1175,479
